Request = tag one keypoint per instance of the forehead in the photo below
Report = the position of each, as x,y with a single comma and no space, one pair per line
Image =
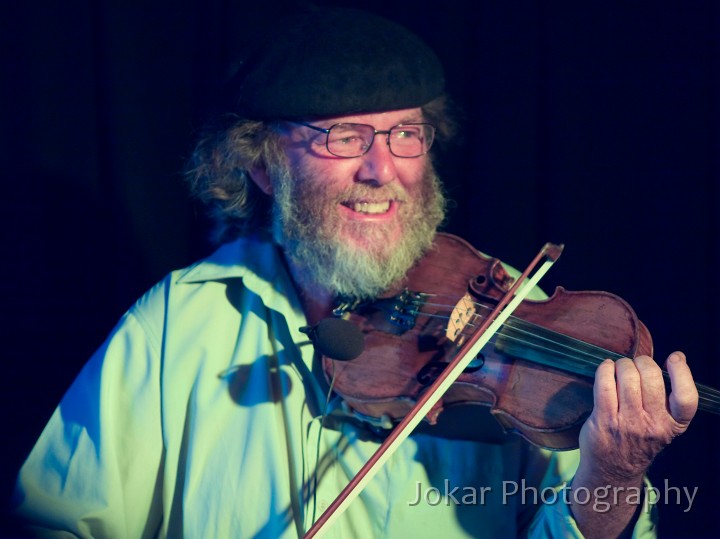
379,120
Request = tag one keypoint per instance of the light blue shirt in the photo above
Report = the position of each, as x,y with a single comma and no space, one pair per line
199,418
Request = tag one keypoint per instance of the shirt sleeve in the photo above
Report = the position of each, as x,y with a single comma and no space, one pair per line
554,518
95,470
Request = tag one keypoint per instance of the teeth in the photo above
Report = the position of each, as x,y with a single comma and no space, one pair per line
371,207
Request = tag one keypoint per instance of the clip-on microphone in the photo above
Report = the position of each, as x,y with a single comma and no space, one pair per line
336,338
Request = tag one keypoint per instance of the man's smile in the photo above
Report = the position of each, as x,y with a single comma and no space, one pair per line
368,206
370,209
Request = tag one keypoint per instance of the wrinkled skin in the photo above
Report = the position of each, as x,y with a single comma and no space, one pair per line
631,422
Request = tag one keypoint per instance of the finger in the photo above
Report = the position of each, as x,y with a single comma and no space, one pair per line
683,398
628,387
654,398
605,390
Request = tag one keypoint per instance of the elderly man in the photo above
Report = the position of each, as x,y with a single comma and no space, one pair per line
204,414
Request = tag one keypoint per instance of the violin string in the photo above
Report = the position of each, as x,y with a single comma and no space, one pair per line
709,397
581,348
591,354
568,348
564,356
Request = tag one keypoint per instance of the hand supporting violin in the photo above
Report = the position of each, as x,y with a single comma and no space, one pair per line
544,376
632,421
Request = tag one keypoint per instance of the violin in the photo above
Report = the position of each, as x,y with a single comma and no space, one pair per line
535,376
450,337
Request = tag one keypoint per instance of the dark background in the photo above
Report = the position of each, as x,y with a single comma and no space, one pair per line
589,123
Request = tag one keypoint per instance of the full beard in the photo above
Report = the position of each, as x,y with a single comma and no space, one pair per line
306,222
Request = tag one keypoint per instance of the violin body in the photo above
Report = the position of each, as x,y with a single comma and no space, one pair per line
535,376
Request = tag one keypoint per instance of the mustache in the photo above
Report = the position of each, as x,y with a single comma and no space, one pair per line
366,193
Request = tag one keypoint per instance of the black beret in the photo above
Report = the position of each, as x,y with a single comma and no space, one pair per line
333,61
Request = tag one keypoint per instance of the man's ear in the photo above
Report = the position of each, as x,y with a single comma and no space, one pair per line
261,178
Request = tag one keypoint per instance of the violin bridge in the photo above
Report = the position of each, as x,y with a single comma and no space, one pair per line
461,316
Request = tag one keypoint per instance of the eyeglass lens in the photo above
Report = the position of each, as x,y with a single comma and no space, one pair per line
353,140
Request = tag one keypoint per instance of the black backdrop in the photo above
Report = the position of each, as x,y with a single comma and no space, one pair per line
589,123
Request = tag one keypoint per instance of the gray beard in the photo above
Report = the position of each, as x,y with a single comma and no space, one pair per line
306,224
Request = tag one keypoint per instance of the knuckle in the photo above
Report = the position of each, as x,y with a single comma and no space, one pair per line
626,368
646,364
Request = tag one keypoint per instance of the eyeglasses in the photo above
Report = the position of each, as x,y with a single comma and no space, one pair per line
354,140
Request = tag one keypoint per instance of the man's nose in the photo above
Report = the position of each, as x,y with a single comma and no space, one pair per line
378,164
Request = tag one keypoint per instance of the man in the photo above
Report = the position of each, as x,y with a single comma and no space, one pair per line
202,415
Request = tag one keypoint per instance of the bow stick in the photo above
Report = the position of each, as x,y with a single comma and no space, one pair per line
505,307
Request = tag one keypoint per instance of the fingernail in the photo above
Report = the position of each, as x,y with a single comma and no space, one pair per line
675,358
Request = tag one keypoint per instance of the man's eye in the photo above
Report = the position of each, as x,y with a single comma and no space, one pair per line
407,134
345,135
346,139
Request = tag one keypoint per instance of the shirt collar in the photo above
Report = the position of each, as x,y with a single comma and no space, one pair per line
244,257
258,262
